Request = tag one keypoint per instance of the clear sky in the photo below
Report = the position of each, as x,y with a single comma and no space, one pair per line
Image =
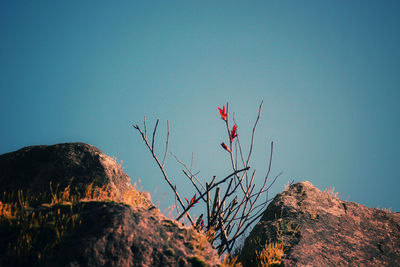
328,72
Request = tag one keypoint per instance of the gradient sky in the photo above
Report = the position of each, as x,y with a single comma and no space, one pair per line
328,72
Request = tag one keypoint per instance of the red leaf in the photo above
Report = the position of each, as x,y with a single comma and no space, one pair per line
193,199
225,147
223,113
233,133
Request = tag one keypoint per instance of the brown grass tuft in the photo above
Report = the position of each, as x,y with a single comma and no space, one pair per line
31,232
7,210
229,261
331,192
270,255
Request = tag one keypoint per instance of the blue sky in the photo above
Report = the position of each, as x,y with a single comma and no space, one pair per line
328,72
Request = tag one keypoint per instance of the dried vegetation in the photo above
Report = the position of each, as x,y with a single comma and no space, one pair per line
32,226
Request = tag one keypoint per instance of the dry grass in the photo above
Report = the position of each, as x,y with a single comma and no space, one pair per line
269,250
64,196
201,248
131,196
7,210
265,254
169,212
388,210
32,234
32,225
270,255
229,261
210,234
331,192
287,185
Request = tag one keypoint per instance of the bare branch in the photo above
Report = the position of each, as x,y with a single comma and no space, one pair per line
245,227
154,133
215,205
240,146
211,187
272,183
269,170
145,127
208,205
194,184
176,205
257,195
230,175
188,170
166,145
224,198
229,213
242,158
252,135
162,170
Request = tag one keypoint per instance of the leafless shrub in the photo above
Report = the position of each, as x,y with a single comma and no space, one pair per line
232,203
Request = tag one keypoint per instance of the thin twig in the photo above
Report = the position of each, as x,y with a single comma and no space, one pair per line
166,145
232,220
145,126
154,134
272,183
211,187
241,153
253,132
162,170
262,188
188,170
194,184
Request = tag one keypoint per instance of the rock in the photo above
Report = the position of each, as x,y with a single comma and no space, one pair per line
106,234
74,164
86,232
319,229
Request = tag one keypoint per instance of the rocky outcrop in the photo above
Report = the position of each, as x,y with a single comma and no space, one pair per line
71,205
74,164
319,229
100,231
104,234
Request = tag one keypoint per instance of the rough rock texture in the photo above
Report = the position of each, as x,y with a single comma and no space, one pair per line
319,229
77,164
114,234
95,233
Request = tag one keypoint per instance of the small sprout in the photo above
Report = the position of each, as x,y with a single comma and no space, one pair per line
223,113
226,147
233,133
192,201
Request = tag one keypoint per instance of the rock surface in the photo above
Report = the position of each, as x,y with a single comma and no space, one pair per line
85,232
315,228
319,229
75,164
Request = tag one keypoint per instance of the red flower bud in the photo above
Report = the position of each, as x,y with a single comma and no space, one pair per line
225,147
223,113
233,133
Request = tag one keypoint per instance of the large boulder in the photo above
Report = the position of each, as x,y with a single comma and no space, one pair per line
76,164
318,229
91,230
